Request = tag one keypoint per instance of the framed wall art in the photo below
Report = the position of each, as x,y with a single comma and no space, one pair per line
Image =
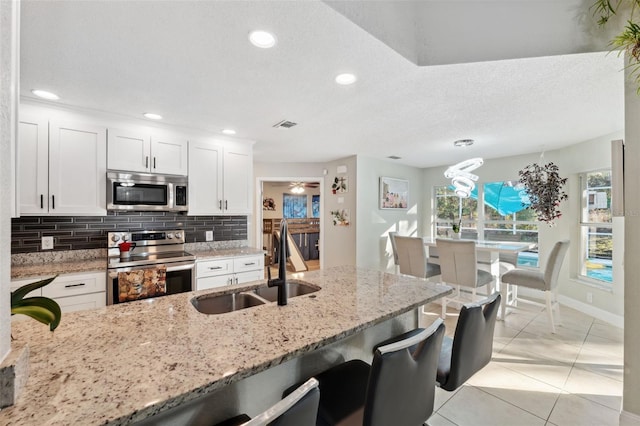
394,193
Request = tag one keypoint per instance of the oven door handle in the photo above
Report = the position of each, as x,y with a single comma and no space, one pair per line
182,267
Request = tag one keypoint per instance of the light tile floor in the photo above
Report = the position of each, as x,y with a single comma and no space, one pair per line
570,378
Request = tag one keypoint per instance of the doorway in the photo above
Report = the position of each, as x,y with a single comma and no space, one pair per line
300,201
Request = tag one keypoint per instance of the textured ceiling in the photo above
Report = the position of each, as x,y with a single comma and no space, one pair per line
192,63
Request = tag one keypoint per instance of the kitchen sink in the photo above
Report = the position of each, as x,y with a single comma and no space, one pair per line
221,304
294,287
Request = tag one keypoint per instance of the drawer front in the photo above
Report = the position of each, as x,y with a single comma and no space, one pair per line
19,283
215,281
76,284
212,268
248,263
82,302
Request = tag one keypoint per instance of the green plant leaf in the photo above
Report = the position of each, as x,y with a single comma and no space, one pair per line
19,293
42,309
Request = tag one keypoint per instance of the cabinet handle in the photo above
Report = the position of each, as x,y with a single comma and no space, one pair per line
230,281
53,202
226,206
213,268
154,162
250,263
236,279
74,285
220,203
146,162
41,201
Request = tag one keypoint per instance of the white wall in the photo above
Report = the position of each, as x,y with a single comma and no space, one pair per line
373,249
583,157
340,241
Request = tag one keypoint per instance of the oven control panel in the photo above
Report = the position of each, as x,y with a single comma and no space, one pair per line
146,238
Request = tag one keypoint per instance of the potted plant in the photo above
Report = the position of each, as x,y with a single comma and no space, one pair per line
543,185
42,309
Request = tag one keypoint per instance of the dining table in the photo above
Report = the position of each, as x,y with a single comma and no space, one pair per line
489,253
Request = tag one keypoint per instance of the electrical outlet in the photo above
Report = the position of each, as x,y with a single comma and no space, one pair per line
47,243
589,297
209,235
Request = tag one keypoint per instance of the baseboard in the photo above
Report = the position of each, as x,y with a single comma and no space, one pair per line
629,419
613,319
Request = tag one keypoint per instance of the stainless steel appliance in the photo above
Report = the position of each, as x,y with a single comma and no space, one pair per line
146,192
152,248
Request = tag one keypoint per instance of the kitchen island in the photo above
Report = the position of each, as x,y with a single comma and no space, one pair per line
125,363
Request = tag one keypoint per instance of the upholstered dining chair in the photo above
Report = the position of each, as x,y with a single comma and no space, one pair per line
298,408
459,268
545,281
412,257
398,388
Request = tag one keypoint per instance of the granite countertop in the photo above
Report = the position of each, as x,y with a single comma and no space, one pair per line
68,262
208,253
126,362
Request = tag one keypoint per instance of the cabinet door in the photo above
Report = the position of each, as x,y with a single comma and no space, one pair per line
314,245
76,284
168,156
213,282
245,277
33,167
77,169
248,263
238,172
82,302
205,178
128,151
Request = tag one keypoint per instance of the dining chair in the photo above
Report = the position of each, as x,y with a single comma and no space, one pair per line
398,388
412,257
298,408
459,268
546,281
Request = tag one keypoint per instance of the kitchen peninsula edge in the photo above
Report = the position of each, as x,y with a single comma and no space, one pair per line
124,363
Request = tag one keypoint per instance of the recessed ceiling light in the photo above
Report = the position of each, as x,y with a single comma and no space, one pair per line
228,131
152,116
262,39
463,142
45,95
346,79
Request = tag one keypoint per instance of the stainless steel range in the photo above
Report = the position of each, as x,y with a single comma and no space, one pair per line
152,254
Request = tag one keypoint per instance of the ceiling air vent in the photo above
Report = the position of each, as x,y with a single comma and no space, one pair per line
284,124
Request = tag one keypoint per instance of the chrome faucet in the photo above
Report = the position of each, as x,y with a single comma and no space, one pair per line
283,254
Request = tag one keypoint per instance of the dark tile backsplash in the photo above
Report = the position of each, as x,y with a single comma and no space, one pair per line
90,232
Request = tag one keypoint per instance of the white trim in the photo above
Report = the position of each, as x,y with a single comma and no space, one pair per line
629,419
613,319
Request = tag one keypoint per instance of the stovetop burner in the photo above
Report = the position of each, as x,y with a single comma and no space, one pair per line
152,247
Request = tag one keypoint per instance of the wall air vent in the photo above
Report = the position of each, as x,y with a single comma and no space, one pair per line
284,124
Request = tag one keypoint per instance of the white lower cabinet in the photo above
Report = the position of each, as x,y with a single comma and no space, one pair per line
73,292
228,271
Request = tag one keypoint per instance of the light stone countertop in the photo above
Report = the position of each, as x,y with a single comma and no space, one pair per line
129,361
67,262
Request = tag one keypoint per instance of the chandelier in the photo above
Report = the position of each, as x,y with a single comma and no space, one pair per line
461,177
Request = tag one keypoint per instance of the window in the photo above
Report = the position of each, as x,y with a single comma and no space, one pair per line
450,208
294,206
507,218
596,227
503,218
315,206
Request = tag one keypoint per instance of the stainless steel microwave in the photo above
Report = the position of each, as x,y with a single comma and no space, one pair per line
146,192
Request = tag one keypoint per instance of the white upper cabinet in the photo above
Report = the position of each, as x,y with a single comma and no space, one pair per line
137,152
205,178
238,172
62,167
220,176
